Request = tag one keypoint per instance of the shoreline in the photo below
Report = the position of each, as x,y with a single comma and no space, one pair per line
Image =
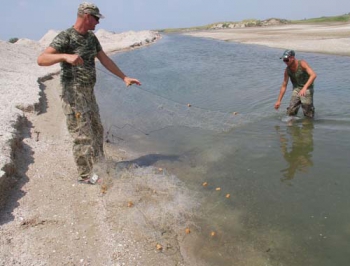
46,216
117,222
330,38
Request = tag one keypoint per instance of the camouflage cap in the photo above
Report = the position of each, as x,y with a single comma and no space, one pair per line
287,54
89,8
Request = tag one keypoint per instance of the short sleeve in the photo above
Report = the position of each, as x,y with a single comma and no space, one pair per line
60,42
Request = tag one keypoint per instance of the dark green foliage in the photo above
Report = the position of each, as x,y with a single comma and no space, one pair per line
342,18
13,40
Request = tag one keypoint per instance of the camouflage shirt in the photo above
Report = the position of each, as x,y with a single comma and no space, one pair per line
299,78
86,46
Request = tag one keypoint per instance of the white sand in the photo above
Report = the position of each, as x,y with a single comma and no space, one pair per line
19,74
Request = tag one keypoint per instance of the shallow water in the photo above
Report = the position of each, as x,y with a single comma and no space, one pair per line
205,112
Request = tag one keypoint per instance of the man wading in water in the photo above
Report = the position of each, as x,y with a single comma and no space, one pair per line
76,49
302,77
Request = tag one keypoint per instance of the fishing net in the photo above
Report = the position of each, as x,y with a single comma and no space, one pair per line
162,213
142,110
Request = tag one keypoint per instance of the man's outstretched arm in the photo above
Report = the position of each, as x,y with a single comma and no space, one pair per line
113,68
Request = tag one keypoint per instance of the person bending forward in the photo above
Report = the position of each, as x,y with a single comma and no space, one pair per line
302,77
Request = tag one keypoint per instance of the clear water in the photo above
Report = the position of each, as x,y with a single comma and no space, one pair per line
288,183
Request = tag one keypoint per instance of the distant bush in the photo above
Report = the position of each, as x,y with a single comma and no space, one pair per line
13,40
342,18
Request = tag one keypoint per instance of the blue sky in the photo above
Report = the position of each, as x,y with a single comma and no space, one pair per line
33,18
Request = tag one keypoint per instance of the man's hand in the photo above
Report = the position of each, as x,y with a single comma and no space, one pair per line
277,105
302,92
129,81
74,59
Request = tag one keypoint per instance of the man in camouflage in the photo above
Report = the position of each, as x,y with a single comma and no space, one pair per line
302,77
75,49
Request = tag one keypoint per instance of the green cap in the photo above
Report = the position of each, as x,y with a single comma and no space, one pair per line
287,54
89,8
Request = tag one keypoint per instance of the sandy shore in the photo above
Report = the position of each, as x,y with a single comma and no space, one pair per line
320,38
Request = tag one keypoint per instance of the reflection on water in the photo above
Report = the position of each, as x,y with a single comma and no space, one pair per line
297,148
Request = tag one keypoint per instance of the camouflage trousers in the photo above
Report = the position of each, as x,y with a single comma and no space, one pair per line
84,125
306,102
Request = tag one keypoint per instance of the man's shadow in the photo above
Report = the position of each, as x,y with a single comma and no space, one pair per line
297,148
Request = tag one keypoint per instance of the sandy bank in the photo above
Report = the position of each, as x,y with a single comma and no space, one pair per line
19,87
320,38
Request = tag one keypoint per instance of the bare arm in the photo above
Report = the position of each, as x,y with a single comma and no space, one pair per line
113,68
305,66
50,56
282,90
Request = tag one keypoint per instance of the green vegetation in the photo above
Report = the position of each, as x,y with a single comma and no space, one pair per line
13,40
342,18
